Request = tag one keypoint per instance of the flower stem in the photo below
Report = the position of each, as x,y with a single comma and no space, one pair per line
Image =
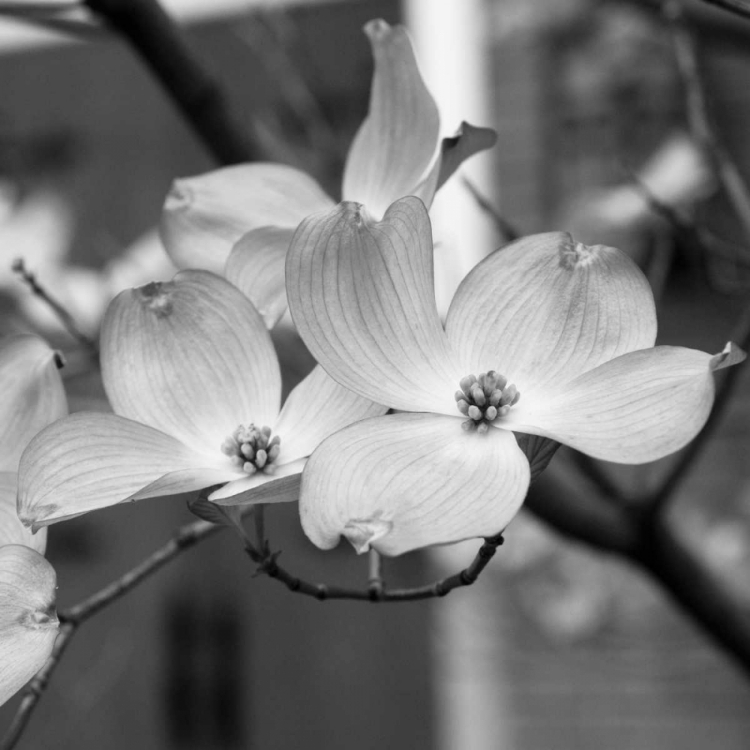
375,576
268,565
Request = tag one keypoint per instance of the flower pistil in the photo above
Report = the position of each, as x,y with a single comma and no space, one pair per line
252,449
484,399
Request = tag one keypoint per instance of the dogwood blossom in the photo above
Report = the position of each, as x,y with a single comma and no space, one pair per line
192,375
31,396
546,337
252,210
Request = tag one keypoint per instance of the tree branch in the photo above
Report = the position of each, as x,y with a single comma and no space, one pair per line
698,112
738,7
70,619
648,541
162,46
36,687
580,513
699,592
268,565
67,320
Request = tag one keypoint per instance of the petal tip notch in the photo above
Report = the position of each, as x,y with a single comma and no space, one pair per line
730,355
180,196
156,296
574,254
377,29
363,533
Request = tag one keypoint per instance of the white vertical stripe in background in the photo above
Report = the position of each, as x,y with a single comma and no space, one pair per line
453,48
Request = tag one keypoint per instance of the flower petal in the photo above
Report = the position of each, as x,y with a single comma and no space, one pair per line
191,357
205,215
12,531
31,394
639,407
280,487
315,409
396,143
454,151
92,460
362,297
28,623
546,309
405,481
256,266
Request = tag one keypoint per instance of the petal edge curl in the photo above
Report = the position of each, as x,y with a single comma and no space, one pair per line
28,622
32,391
12,531
361,294
91,460
256,267
396,144
636,408
578,306
205,215
190,357
404,481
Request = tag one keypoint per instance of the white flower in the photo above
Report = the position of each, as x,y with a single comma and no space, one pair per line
31,396
546,337
252,210
193,378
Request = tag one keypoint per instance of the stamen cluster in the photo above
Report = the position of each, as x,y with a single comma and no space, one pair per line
485,398
252,449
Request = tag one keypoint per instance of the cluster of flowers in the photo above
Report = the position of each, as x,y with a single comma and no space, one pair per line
404,435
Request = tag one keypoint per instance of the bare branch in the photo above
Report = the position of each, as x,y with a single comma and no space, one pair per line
162,46
698,115
701,594
738,7
375,577
268,565
35,689
68,321
507,231
73,617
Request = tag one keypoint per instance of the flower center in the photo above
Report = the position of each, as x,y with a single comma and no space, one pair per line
252,449
484,399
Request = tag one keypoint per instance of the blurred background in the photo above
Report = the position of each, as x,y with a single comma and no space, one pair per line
556,646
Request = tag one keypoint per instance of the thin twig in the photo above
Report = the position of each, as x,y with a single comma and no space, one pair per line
36,687
375,575
68,321
696,236
268,565
259,516
161,44
72,618
738,7
507,231
698,113
186,537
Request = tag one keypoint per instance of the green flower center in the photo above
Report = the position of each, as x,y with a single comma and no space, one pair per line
252,449
484,399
